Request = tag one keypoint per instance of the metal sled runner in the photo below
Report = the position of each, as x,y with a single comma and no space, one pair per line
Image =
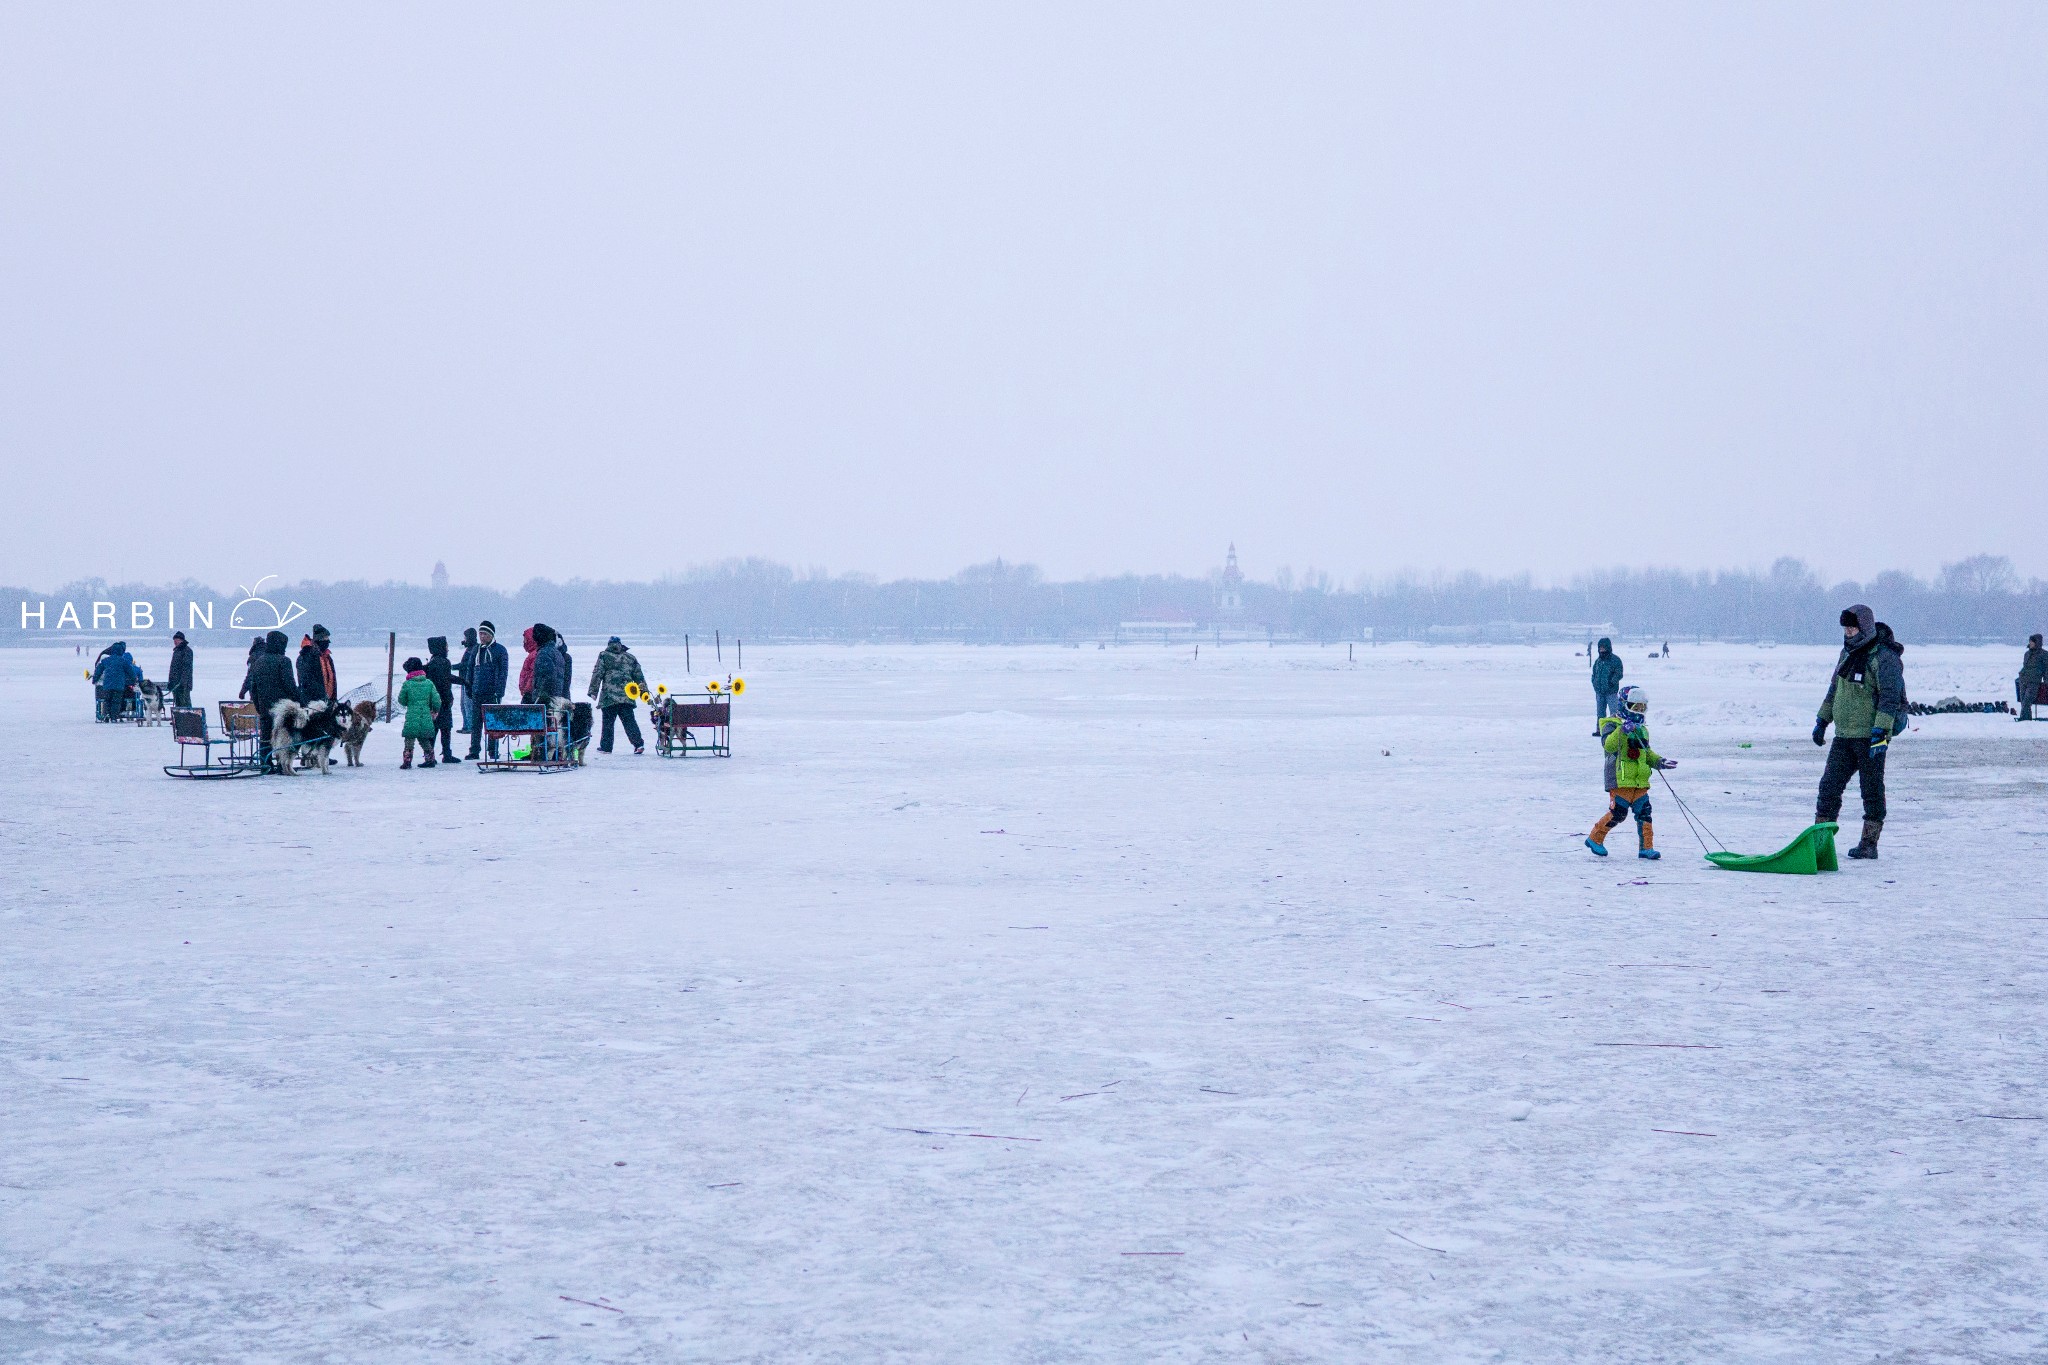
239,745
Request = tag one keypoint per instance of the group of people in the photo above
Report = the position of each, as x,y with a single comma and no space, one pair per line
117,679
483,674
1865,702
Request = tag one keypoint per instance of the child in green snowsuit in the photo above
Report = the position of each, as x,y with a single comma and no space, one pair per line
422,701
1630,761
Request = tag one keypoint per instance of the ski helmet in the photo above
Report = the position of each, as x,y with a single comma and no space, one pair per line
1635,700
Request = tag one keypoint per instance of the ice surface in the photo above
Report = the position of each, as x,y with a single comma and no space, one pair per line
1031,1005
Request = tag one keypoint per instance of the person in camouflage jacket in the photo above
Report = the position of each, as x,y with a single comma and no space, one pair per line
616,667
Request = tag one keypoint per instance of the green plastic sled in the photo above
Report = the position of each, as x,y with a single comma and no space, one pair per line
1813,851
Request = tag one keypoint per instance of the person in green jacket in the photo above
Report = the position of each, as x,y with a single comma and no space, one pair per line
1627,743
422,703
1866,703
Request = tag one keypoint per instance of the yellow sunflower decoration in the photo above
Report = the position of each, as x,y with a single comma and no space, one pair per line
712,686
739,685
632,691
661,690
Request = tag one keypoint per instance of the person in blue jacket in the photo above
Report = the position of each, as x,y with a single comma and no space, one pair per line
1606,684
489,673
113,678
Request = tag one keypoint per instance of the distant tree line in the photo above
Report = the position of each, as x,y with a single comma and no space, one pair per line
1980,598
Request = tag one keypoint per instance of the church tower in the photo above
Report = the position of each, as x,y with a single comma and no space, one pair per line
1230,595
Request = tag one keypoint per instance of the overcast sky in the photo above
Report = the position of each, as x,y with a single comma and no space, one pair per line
608,290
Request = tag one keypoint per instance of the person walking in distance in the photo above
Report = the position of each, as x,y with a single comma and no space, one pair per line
2033,670
487,679
1607,673
1866,703
181,671
616,667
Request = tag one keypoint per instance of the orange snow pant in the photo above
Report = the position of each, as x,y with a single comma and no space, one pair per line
1627,801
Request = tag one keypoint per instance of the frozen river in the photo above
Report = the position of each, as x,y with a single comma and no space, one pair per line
1032,1005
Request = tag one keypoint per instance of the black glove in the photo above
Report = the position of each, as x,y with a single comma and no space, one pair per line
1820,732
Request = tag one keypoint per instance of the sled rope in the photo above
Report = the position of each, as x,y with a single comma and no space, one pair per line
1686,811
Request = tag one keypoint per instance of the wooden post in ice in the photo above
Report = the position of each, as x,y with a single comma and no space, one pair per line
718,643
686,654
390,665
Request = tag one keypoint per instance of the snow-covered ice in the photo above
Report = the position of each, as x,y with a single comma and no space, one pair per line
1032,1004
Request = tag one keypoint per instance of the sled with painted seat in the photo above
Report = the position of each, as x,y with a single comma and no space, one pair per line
529,737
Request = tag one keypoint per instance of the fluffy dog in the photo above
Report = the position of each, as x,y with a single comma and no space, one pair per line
307,733
361,717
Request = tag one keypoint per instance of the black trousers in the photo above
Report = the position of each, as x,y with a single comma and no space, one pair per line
181,697
444,730
1852,758
476,726
624,712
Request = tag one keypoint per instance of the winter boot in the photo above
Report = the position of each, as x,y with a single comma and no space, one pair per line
1648,836
1868,848
1597,841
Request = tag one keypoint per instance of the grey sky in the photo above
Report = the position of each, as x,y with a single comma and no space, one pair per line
608,290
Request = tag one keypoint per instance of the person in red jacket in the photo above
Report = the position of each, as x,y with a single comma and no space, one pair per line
526,668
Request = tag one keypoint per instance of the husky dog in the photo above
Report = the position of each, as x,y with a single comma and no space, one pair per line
361,717
307,733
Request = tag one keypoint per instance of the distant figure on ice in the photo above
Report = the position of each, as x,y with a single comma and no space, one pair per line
1667,649
487,680
442,675
421,699
1866,702
271,681
181,670
1627,744
1606,683
2033,670
616,667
